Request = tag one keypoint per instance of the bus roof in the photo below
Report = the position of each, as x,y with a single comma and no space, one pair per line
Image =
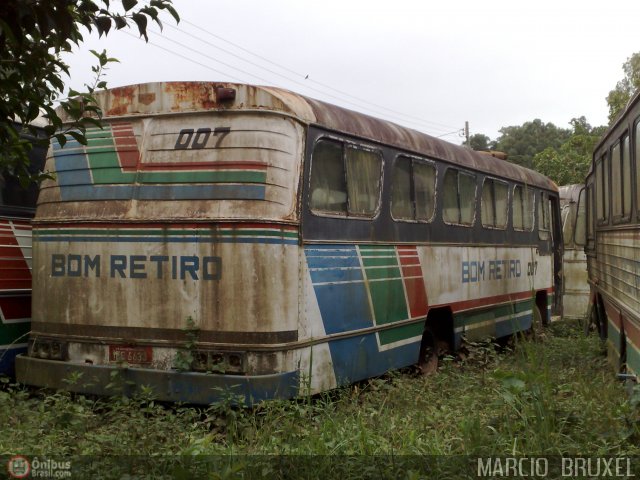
164,98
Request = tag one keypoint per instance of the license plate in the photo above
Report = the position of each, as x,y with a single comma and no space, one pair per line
133,355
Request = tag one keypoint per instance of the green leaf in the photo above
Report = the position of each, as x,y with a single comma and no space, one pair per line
103,24
141,21
129,4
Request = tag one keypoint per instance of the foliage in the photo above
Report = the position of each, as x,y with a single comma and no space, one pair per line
33,35
522,143
479,142
625,88
570,163
555,395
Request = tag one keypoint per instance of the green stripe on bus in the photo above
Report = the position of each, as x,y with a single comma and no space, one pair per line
380,262
382,273
400,333
389,304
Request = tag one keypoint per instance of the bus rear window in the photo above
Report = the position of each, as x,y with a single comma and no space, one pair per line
345,179
459,197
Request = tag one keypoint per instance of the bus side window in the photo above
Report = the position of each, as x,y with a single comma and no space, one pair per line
626,178
328,183
459,197
636,144
522,208
413,190
602,188
543,216
494,204
344,180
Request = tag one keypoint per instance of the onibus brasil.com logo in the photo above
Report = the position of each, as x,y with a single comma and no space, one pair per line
19,466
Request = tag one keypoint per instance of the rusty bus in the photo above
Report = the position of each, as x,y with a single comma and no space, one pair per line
575,287
17,207
218,239
613,238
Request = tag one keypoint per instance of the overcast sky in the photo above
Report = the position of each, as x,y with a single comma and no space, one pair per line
426,64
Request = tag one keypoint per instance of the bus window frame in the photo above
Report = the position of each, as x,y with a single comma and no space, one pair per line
581,204
603,164
413,159
544,201
470,174
345,144
495,180
618,197
635,166
526,189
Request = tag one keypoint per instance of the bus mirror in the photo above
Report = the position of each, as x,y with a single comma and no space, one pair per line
580,232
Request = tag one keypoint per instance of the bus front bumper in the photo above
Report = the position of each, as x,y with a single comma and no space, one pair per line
165,385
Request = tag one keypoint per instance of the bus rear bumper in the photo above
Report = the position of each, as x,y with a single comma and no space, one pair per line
166,385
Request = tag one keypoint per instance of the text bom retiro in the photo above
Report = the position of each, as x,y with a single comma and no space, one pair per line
479,270
175,267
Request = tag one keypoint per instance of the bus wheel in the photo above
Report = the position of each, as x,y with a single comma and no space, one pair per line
428,361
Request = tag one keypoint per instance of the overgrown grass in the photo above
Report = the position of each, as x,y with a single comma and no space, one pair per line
554,395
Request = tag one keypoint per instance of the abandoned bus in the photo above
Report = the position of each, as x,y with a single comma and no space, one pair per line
575,287
218,239
613,237
17,207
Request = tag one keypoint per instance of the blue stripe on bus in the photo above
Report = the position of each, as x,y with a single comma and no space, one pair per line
331,251
7,359
333,262
74,193
357,358
344,307
337,275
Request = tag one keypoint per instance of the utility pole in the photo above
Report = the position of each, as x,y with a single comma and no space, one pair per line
466,133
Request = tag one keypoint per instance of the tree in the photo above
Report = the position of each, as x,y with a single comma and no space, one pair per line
479,142
522,143
625,88
33,35
570,163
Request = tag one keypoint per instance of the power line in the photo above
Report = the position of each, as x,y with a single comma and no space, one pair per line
294,72
185,58
262,79
342,100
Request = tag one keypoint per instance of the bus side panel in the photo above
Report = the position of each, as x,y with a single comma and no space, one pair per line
15,290
616,274
490,290
632,337
360,288
373,300
576,287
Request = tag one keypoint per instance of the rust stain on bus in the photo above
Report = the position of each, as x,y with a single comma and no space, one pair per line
122,99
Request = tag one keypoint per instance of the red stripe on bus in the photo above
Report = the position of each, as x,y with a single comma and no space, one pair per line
487,301
126,146
14,308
